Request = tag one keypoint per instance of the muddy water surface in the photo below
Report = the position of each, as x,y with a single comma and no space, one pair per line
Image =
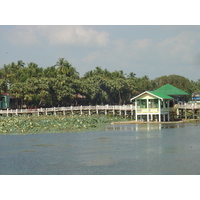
120,149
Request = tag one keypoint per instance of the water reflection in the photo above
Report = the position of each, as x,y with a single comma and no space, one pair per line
149,133
145,127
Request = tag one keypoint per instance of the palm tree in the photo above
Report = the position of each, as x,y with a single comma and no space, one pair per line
34,70
50,72
65,68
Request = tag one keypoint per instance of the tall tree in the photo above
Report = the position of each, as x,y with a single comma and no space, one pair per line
65,68
178,81
50,72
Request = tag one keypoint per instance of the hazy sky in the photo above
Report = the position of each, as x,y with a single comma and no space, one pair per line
151,50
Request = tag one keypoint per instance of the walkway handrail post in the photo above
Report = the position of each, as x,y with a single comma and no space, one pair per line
72,110
89,109
64,111
106,108
81,109
131,111
97,111
54,111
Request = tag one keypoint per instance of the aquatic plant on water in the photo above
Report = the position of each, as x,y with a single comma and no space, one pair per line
53,124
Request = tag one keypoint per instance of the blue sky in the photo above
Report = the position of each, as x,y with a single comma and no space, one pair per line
151,50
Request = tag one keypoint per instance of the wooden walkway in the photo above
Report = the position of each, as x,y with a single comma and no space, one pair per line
189,106
188,110
117,109
125,110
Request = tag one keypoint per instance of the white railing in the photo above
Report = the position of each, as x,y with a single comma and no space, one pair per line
188,106
70,108
97,109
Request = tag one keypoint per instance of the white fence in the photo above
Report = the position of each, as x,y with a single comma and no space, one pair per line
188,106
71,109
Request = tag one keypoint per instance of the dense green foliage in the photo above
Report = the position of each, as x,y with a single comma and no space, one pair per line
52,124
59,84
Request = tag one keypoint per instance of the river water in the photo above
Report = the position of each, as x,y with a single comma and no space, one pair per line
141,149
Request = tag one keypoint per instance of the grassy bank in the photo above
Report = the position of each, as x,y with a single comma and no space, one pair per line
17,125
191,120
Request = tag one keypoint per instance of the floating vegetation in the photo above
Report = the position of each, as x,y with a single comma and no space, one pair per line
52,124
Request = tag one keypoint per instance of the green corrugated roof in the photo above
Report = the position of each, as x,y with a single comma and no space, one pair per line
170,90
160,95
155,94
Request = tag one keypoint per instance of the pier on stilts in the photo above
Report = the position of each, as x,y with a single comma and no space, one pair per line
188,111
122,110
183,111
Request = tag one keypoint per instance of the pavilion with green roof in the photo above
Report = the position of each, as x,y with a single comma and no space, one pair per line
176,93
155,105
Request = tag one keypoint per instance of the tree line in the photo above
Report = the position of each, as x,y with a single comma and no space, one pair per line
59,85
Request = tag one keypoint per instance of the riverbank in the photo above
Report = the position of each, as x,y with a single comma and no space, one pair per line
18,125
154,122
